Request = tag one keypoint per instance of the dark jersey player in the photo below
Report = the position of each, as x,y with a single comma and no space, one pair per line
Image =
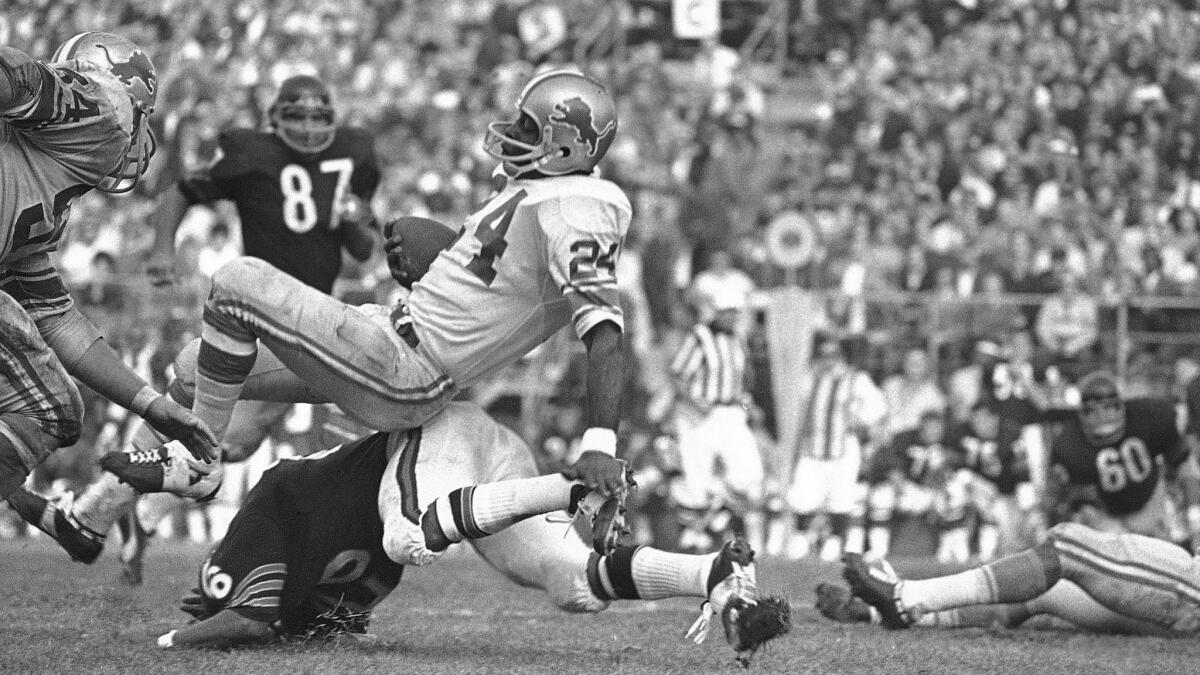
285,565
291,184
1110,453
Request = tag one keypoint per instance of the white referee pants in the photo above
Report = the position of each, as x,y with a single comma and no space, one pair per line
718,455
827,485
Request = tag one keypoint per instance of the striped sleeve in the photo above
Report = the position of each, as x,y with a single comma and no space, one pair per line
687,359
583,236
34,282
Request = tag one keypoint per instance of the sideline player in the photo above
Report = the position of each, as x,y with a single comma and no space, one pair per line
539,255
77,122
287,183
303,556
1100,581
1108,457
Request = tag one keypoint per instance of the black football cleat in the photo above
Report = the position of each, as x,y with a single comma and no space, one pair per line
878,589
54,519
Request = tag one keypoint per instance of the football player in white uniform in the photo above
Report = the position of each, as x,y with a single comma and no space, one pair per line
539,255
76,122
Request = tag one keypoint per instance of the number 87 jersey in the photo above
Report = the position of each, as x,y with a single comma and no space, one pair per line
540,254
286,199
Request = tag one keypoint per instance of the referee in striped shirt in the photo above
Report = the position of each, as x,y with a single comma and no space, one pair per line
719,454
843,405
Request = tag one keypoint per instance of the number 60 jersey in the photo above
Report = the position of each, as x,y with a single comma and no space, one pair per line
286,199
1125,473
539,254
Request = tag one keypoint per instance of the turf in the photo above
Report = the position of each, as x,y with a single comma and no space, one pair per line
461,617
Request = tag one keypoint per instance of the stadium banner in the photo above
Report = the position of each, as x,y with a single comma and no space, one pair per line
792,318
696,19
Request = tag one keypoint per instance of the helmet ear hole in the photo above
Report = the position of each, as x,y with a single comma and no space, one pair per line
566,152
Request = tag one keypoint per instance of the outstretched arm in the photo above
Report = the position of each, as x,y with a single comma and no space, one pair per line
222,629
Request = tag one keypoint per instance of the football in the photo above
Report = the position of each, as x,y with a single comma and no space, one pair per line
419,240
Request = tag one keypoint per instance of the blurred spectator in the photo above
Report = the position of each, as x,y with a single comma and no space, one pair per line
911,393
1068,322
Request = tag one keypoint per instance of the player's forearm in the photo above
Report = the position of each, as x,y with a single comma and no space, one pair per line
223,628
605,375
169,211
101,369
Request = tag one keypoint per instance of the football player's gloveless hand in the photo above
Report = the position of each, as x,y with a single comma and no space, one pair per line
598,471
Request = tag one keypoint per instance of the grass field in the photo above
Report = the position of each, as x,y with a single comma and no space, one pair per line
459,616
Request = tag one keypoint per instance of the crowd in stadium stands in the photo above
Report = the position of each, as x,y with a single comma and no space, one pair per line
967,150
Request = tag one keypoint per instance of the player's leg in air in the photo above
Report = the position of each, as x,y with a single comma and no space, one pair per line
147,465
353,355
1153,584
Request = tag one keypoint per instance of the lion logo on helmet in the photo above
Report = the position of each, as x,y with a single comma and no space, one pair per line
137,67
576,113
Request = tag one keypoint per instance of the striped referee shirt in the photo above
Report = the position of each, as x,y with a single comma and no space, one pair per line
711,365
842,400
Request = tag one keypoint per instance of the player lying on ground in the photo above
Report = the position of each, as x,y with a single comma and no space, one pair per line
303,555
1126,583
76,122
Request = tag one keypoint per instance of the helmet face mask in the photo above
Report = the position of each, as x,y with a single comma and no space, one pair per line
302,115
133,70
566,122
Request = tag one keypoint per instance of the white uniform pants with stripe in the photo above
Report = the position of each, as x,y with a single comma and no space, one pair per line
1136,576
829,485
40,406
350,354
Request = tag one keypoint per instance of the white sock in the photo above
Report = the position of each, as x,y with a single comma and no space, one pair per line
490,507
102,502
659,574
956,590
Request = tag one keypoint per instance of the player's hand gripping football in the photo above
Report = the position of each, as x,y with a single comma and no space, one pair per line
179,423
598,471
399,264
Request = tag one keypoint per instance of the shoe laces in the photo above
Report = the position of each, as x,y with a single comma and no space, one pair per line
145,457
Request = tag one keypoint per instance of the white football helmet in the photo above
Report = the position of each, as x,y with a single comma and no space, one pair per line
132,68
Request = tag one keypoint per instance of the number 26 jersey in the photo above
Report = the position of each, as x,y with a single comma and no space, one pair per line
541,253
